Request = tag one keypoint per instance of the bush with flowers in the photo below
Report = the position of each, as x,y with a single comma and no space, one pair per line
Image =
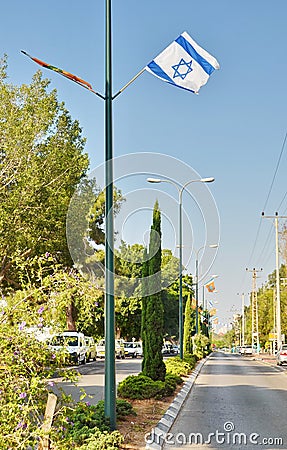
26,377
27,371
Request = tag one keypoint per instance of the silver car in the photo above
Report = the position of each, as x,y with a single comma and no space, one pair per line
281,356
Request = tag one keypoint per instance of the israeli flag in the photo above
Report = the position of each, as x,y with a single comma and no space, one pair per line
184,64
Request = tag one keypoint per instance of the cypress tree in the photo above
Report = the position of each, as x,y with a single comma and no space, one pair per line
189,326
145,273
153,312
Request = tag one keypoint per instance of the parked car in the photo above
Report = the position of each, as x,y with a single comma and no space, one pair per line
100,348
91,348
119,348
166,349
72,344
175,350
133,349
248,351
139,349
281,356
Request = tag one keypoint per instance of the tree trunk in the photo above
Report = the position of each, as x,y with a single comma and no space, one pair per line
70,316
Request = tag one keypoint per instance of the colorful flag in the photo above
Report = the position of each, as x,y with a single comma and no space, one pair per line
184,64
61,72
212,312
193,303
210,286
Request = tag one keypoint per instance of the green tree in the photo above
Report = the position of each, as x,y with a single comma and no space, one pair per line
170,297
129,266
266,305
144,285
189,326
42,160
153,365
43,166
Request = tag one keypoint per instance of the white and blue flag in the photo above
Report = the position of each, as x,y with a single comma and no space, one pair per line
184,64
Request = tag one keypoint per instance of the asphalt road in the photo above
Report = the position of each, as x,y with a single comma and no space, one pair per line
236,402
92,378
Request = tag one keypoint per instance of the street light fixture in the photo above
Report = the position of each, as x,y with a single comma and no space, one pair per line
180,192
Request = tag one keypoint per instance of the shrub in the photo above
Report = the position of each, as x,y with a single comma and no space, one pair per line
123,408
83,421
137,387
86,420
175,378
190,359
103,441
26,369
178,367
201,344
141,387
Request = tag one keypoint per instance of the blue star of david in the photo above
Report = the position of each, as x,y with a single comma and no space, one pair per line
182,64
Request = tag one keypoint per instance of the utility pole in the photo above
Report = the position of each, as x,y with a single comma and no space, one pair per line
254,311
278,301
243,319
274,320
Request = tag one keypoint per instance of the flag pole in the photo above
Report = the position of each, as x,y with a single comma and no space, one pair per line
110,377
130,82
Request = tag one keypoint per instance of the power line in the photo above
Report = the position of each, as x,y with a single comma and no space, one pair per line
268,196
284,196
267,242
276,170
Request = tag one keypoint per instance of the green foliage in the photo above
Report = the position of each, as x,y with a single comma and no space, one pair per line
85,421
153,313
189,326
103,441
41,163
26,369
190,359
201,345
123,409
173,379
170,297
266,310
170,305
140,387
169,268
178,367
55,291
137,387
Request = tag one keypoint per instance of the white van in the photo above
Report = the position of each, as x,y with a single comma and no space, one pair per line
119,349
71,342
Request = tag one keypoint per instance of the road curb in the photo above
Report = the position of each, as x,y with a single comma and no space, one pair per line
268,363
155,439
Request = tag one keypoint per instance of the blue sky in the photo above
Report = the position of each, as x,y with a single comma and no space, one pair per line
233,130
